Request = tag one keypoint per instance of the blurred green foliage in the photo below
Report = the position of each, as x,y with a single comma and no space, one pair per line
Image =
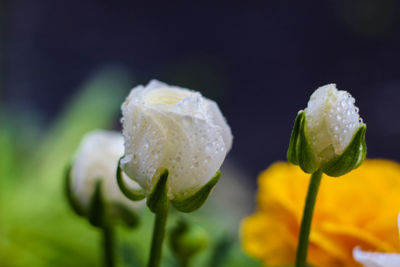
38,228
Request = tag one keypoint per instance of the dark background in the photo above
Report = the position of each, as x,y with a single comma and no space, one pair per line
259,61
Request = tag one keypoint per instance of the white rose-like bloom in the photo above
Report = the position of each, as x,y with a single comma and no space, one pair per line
331,121
97,159
175,128
374,259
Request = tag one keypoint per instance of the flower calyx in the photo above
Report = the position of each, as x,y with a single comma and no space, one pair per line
158,198
300,152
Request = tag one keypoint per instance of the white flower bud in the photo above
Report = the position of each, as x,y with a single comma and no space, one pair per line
331,121
96,159
175,128
375,259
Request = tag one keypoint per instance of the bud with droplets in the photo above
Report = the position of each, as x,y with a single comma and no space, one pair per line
175,134
329,134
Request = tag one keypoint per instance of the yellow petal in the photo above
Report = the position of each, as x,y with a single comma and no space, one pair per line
357,209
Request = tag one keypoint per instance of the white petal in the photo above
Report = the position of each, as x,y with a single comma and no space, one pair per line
175,128
331,121
205,145
177,149
373,259
145,144
218,119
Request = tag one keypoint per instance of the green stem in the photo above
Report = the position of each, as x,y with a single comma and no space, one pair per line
301,256
158,236
108,245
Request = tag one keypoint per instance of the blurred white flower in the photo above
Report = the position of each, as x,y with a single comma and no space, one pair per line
374,259
331,121
175,128
96,159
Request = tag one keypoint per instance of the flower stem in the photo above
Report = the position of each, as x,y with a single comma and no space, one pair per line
108,245
158,236
301,256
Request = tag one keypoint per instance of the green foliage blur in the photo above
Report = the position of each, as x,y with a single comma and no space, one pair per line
38,228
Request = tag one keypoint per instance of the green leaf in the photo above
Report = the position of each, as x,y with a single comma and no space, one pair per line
73,202
130,193
158,198
196,200
291,153
97,207
304,154
351,158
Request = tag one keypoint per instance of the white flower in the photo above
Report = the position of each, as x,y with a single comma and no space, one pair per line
96,159
331,121
175,128
374,259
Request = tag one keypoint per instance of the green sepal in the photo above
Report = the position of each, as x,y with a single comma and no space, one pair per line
363,150
351,158
73,202
158,198
304,154
196,200
122,213
97,209
131,194
294,137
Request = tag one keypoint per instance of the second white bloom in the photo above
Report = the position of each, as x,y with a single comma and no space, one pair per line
91,183
177,129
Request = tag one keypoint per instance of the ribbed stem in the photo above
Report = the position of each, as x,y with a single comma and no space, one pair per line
108,245
158,236
302,247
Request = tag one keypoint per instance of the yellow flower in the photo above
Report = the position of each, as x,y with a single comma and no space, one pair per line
359,209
